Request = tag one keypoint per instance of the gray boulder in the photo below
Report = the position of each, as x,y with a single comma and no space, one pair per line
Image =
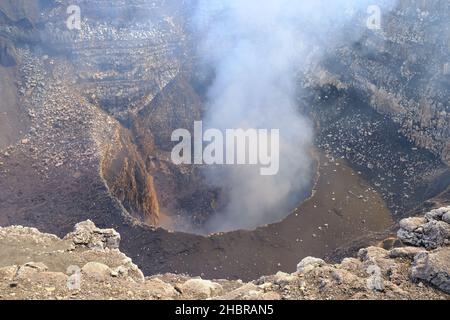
405,252
201,289
86,234
375,281
446,217
433,267
430,232
437,214
96,270
26,270
309,263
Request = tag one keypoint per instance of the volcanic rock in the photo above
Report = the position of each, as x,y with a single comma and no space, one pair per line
433,267
107,273
308,264
405,252
203,289
96,270
446,217
87,234
429,232
375,281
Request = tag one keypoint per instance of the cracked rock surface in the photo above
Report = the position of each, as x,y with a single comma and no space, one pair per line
430,231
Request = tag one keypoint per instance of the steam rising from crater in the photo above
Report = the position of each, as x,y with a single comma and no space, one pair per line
258,49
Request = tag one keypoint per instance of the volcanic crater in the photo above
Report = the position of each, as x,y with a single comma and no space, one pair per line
88,115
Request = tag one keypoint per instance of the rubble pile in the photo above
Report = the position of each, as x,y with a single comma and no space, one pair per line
87,264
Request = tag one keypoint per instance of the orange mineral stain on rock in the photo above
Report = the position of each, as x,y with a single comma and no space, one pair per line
129,181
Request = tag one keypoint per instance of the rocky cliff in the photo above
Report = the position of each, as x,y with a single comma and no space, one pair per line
392,82
87,264
117,64
403,70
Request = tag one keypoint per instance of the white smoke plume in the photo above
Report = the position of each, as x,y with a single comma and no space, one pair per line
258,49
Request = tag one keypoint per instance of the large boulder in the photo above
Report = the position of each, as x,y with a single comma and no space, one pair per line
96,270
433,267
375,281
30,268
405,252
378,264
437,214
21,11
86,234
430,232
446,217
201,289
158,289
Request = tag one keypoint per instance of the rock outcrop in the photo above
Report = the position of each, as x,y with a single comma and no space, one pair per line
433,268
402,69
128,61
7,53
88,235
430,231
86,264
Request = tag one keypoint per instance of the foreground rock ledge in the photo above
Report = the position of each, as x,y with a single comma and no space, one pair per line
87,264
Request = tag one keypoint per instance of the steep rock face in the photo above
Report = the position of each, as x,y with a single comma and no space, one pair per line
7,53
431,231
349,128
128,58
12,15
20,20
19,10
176,106
129,180
433,268
403,69
12,119
382,103
125,54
